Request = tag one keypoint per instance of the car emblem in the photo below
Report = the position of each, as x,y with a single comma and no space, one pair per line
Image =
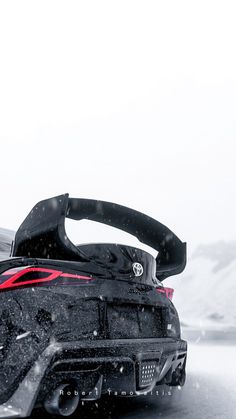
137,268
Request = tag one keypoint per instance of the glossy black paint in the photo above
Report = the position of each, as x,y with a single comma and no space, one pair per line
112,332
43,235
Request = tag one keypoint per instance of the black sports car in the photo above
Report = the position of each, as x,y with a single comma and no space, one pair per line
78,322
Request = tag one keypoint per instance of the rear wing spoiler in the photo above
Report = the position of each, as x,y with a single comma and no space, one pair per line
43,235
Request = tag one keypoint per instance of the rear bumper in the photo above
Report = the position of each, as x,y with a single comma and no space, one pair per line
123,367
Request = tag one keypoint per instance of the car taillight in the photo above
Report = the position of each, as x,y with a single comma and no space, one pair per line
167,291
31,276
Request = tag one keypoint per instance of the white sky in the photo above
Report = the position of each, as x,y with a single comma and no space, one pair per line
127,101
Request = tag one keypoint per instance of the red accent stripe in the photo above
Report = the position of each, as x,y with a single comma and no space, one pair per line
76,276
10,283
10,271
52,274
167,291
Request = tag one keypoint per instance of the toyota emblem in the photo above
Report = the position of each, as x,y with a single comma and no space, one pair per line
137,268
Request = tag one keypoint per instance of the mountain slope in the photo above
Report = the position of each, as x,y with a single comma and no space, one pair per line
6,237
205,293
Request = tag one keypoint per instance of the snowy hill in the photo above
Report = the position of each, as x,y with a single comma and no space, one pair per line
205,294
6,237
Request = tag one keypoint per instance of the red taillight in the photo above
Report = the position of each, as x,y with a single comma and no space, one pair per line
35,276
167,291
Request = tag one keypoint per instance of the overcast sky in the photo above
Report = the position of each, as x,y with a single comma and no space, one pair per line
126,101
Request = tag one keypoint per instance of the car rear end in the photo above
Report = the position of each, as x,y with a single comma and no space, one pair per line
64,331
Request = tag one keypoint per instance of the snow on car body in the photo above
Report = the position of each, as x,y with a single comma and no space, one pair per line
81,321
